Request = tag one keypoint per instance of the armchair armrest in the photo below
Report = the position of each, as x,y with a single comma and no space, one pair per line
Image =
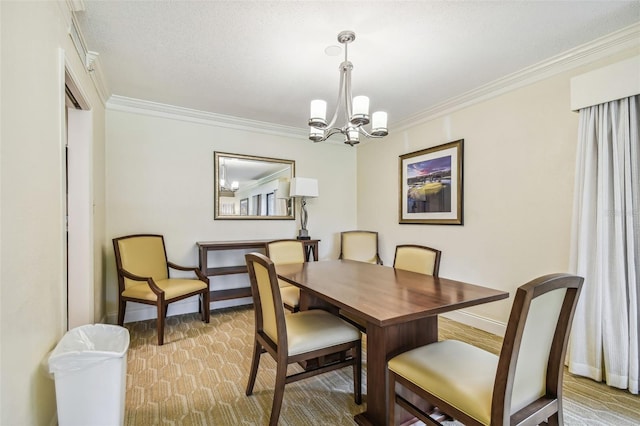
201,276
154,287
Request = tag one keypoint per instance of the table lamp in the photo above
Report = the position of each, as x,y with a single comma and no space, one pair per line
303,188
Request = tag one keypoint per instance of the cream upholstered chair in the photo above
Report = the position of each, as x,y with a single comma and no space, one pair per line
523,385
416,258
360,245
296,337
283,252
143,277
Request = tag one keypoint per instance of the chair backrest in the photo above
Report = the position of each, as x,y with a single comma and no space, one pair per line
532,357
282,252
359,245
142,255
416,258
267,301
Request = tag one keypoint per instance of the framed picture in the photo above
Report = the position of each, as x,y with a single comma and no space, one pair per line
431,185
244,207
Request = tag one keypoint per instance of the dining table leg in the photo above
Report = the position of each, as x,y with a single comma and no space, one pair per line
383,343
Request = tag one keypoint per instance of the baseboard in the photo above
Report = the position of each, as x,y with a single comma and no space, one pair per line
140,312
490,326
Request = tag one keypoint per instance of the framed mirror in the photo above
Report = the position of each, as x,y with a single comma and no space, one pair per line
250,187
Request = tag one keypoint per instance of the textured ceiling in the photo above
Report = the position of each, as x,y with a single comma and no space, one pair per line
265,60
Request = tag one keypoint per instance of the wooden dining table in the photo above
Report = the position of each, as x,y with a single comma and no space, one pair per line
400,309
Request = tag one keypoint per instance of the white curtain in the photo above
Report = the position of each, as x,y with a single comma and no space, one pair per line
606,245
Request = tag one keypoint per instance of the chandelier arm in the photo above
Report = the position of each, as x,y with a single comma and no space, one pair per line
332,131
347,92
340,98
367,134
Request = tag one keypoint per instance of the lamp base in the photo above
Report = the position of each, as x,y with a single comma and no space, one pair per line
303,234
303,238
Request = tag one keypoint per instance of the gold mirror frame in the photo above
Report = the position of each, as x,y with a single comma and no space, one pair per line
247,187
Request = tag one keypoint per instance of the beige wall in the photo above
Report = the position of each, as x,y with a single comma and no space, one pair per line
160,180
519,157
32,267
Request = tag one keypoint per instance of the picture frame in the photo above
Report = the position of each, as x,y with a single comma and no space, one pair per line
431,190
244,207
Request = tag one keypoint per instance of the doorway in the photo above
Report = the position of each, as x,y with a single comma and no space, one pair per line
79,206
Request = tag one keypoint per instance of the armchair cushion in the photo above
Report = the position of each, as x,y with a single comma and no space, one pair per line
173,287
316,329
143,256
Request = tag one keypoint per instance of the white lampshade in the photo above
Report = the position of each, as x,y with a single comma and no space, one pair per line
315,134
361,105
303,187
283,189
379,123
318,111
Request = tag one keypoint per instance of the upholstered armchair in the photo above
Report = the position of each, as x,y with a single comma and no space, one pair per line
143,277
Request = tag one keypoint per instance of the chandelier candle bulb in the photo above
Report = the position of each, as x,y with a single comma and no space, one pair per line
353,135
379,123
318,116
360,110
315,134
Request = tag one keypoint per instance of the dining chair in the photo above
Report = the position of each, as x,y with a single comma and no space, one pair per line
297,337
417,258
522,385
282,252
143,277
409,257
360,245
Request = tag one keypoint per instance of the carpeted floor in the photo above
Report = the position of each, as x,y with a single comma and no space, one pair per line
198,377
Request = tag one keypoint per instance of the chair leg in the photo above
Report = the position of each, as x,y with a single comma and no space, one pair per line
162,310
278,394
206,307
255,362
357,373
555,419
122,306
391,398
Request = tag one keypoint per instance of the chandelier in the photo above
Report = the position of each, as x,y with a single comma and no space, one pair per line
225,184
356,110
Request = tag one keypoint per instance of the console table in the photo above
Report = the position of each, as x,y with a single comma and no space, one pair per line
204,247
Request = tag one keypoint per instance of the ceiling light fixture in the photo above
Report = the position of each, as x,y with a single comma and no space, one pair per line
224,182
356,109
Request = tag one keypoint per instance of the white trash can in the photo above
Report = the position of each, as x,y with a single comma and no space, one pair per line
89,366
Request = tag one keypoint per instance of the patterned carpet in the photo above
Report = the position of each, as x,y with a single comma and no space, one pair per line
199,376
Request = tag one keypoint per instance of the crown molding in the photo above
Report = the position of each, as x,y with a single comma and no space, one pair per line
94,68
155,109
618,41
89,59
